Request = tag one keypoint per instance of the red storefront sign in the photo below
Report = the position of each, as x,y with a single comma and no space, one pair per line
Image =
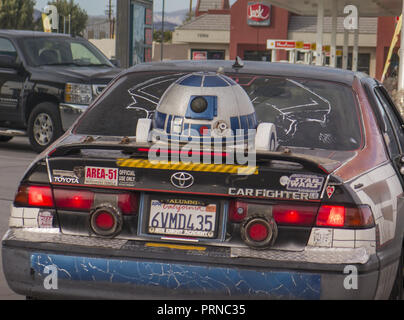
199,55
281,44
258,14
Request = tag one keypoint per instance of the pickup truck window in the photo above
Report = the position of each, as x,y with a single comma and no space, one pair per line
7,48
45,51
81,53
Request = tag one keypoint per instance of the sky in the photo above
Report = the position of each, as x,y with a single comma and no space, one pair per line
98,7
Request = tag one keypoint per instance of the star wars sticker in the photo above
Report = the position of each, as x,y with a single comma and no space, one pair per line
330,191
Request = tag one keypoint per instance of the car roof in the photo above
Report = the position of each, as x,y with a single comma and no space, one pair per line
265,68
29,33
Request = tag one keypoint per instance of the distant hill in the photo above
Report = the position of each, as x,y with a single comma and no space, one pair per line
168,26
171,19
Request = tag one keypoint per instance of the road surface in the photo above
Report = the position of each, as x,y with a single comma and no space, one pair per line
15,157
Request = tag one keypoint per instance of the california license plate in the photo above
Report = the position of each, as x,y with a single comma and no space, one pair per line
180,218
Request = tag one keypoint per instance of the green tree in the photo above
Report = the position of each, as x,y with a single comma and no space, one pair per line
78,16
168,35
17,14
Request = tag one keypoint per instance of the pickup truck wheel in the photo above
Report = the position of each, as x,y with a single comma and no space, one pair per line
5,138
44,126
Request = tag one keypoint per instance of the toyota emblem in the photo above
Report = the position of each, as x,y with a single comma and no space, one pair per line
182,180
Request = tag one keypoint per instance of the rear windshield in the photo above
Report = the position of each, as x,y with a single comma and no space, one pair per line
307,113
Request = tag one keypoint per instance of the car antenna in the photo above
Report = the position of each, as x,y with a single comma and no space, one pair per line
238,64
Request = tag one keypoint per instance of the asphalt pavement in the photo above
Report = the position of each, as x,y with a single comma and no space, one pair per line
15,157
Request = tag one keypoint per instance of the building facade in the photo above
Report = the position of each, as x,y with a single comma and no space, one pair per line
219,31
207,35
134,36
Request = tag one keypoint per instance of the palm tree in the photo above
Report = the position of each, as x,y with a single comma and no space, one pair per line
190,14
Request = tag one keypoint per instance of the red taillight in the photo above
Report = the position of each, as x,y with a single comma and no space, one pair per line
104,220
331,216
298,215
35,196
340,216
294,215
334,216
83,200
258,231
74,199
237,211
128,203
40,196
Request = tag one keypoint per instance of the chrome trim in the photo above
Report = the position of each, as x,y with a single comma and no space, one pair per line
37,235
308,255
97,89
12,132
69,113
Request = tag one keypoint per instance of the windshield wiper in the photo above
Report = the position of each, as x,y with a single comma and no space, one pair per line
77,64
60,64
95,65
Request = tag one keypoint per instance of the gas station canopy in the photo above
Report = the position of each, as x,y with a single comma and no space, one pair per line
366,8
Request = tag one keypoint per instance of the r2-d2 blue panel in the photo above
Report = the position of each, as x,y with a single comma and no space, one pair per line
204,105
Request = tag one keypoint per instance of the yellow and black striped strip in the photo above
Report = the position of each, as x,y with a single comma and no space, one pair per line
180,166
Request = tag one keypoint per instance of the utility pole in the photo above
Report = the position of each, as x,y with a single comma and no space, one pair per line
162,32
110,20
190,9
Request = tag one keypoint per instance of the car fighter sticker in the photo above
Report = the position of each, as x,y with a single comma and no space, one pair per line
273,194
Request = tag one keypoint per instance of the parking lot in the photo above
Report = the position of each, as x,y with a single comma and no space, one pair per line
15,156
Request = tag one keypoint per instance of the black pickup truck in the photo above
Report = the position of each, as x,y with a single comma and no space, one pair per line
46,81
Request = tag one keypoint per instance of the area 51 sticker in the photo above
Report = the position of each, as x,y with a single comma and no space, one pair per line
109,177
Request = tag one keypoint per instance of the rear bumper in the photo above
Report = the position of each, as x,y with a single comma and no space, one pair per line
119,269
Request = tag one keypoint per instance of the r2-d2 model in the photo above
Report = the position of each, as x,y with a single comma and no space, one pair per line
202,107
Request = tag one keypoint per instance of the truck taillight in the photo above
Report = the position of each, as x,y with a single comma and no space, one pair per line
345,217
297,215
128,203
106,221
83,200
333,216
237,211
74,199
70,199
34,196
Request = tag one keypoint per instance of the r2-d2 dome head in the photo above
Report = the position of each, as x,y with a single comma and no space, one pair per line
204,106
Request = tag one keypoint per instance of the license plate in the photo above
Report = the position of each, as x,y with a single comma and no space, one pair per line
182,219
